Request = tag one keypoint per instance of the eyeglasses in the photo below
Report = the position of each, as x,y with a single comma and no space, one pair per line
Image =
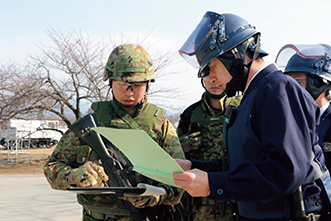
124,86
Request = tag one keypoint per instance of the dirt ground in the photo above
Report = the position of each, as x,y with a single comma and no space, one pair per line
25,163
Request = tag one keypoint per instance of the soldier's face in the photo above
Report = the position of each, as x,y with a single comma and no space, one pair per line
218,77
128,94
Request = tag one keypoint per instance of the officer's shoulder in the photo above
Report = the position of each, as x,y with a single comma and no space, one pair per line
327,114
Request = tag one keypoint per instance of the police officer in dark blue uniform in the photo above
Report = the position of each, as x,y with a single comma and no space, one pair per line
271,137
310,65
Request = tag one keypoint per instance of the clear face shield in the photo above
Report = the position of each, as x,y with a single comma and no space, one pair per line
204,34
321,53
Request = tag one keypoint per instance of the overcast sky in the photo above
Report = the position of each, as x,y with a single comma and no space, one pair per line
23,24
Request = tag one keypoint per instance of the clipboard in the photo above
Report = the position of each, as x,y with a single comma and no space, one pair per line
146,156
141,190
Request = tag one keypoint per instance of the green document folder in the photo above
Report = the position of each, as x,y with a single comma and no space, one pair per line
147,157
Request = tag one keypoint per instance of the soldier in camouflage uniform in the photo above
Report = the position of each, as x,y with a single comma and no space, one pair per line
129,70
200,131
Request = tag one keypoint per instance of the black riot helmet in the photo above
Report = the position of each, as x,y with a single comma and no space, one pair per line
227,37
312,60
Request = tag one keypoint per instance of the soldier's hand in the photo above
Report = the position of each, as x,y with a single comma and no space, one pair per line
143,201
191,141
89,174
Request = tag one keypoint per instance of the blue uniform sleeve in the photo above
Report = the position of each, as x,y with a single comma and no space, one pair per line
283,118
211,166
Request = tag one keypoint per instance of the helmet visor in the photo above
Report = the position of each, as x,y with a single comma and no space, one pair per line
196,40
305,51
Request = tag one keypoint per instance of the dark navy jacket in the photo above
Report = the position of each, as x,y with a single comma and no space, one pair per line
324,134
271,145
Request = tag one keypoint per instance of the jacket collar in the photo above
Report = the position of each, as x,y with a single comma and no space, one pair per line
259,76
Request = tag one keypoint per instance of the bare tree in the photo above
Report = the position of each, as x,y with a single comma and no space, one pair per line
19,92
65,77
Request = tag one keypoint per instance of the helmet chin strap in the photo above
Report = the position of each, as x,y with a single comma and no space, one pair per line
240,69
315,86
124,106
239,72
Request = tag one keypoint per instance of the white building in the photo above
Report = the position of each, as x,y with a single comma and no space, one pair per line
18,129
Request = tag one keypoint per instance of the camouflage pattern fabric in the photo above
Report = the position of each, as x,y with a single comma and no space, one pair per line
130,63
71,153
212,147
89,174
191,141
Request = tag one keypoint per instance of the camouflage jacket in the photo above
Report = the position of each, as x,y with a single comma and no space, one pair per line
211,123
71,152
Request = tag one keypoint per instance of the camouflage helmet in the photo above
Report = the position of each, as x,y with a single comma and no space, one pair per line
129,63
